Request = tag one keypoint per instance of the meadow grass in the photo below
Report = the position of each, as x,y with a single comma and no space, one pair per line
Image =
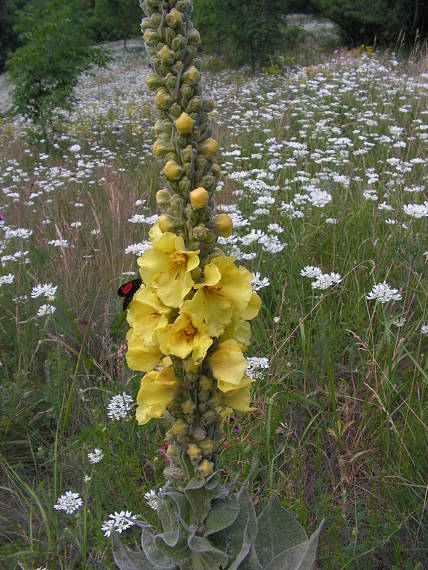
318,164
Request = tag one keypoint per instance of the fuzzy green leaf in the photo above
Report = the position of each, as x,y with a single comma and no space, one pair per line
251,562
299,557
245,549
210,557
158,558
278,530
125,559
222,514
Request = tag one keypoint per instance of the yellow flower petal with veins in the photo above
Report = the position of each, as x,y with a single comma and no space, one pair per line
224,293
141,355
238,398
228,363
167,268
157,391
147,313
238,330
185,336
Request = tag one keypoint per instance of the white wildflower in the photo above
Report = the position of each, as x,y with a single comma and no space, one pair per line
311,271
6,279
69,502
258,282
383,293
117,522
47,290
95,456
119,406
46,310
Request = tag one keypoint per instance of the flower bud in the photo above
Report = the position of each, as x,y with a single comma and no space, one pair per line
175,110
199,198
163,197
172,170
194,38
178,43
184,123
208,182
205,383
208,105
194,452
194,105
179,428
200,232
160,148
170,81
207,445
174,18
166,55
186,153
206,467
188,406
191,76
223,225
199,434
184,185
151,37
172,451
209,147
164,223
162,99
153,81
216,170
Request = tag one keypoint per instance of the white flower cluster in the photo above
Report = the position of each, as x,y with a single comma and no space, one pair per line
258,282
119,406
416,210
6,279
152,498
69,502
255,365
322,281
117,522
383,293
95,456
47,290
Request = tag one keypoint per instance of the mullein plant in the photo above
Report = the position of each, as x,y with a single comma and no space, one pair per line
189,329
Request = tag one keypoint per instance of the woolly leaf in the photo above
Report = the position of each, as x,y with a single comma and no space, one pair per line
245,549
299,557
158,558
211,557
232,538
222,514
278,530
251,562
125,559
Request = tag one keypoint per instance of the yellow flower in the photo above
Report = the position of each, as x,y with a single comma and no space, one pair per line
147,313
156,392
185,336
228,365
238,398
167,268
240,331
224,293
142,356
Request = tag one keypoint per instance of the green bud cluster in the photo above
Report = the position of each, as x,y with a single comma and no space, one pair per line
183,135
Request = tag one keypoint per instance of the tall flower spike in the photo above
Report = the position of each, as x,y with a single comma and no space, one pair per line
188,325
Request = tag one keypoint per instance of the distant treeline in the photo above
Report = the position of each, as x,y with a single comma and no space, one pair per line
245,31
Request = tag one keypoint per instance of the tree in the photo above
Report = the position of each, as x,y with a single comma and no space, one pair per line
55,50
245,32
116,19
367,21
8,37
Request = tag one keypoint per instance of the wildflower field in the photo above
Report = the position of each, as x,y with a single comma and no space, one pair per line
325,178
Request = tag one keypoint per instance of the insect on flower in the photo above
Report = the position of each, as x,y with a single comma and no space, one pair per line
128,290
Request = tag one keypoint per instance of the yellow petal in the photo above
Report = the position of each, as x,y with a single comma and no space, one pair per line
239,330
152,263
142,356
173,286
252,309
212,276
156,392
146,313
239,398
228,363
